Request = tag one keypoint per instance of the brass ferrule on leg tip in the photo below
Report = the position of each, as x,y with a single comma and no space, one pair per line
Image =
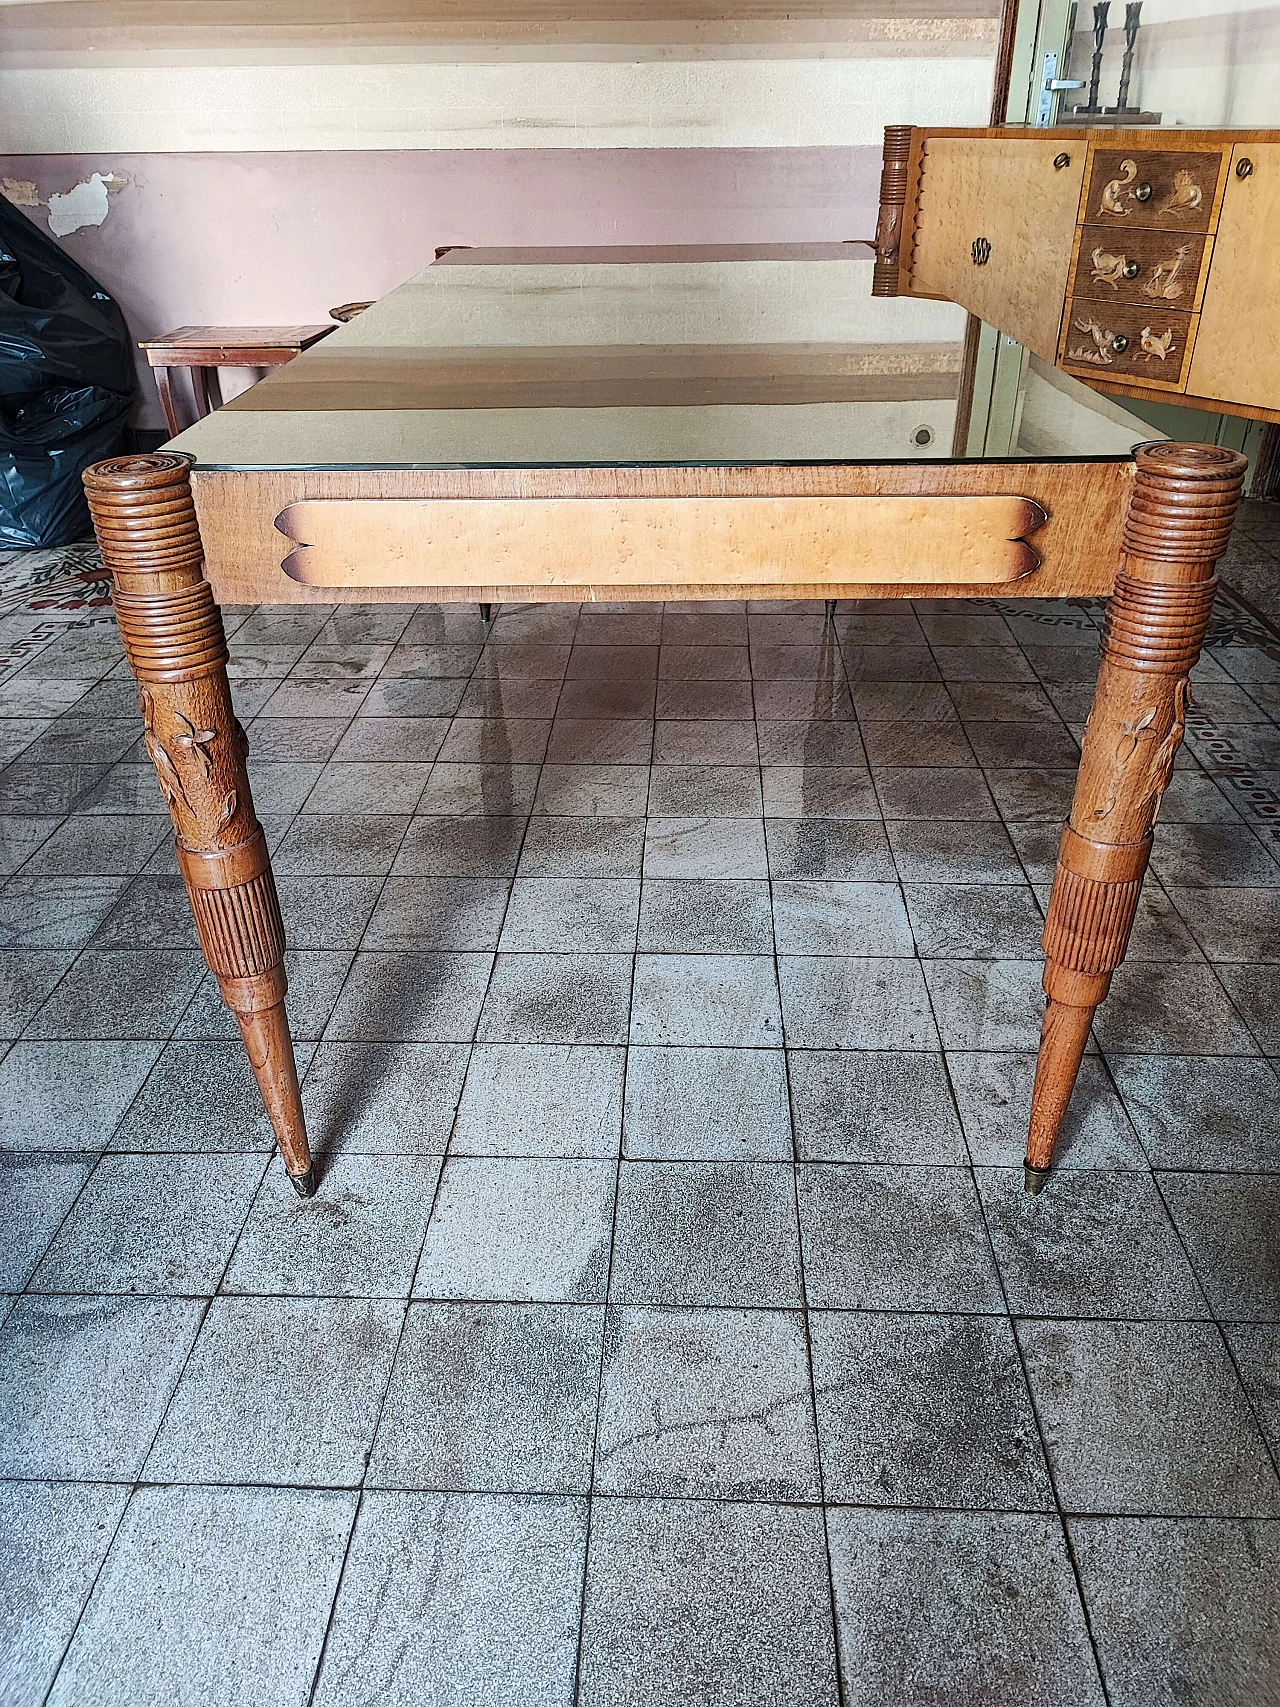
1034,1180
304,1184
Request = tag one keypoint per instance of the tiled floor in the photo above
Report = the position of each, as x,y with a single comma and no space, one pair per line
671,1326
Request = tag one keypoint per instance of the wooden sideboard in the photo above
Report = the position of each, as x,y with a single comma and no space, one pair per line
1142,262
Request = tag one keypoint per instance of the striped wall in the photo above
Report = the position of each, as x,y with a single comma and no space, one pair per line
261,160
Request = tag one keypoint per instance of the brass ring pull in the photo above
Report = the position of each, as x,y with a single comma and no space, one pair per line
1244,168
1061,160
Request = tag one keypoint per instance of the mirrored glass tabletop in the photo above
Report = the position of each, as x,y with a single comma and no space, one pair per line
617,357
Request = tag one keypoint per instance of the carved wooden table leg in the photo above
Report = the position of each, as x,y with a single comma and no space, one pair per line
146,525
1181,509
893,201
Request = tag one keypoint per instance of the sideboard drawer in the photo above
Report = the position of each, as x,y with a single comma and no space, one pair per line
1127,341
1146,268
1157,189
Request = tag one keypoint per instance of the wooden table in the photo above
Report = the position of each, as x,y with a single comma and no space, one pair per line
642,425
205,349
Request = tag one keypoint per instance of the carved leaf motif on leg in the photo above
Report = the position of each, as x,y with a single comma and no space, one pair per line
1152,741
196,740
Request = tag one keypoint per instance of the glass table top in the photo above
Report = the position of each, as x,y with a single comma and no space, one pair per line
618,357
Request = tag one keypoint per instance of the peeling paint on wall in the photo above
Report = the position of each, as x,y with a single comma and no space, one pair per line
22,192
85,204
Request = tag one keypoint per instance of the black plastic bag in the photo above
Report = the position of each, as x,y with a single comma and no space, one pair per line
66,385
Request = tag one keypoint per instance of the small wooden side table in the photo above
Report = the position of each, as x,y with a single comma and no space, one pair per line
205,349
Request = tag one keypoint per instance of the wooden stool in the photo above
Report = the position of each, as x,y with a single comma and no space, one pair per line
205,349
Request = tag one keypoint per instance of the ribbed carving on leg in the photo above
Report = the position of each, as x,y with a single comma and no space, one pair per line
241,931
1089,921
1183,502
143,514
172,636
893,196
1156,628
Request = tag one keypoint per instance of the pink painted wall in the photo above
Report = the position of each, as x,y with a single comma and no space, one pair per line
280,238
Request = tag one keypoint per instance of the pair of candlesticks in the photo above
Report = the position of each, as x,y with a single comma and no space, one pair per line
1122,109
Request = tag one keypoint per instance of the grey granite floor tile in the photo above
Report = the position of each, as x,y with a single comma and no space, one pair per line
495,741
530,1228
958,1606
919,1410
855,1003
873,1106
359,1237
785,700
723,1604
198,1586
1202,1113
706,741
315,698
1147,1418
933,792
889,701
383,1098
1211,856
60,910
36,1192
1042,746
592,791
572,914
588,697
410,697
713,1404
47,791
154,1224
706,1104
1232,924
410,998
281,788
986,1004
704,847
1253,991
541,1099
200,1096
1172,1009
865,1227
1183,1609
819,791
1256,1350
993,1093
953,853
68,1096
557,998
582,847
459,1597
53,1539
315,978
153,912
699,1233
701,792
914,739
280,1390
612,663
416,913
120,993
829,848
99,845
467,790
20,838
84,1383
406,739
365,786
1030,795
27,975
981,921
704,663
483,845
1231,1227
689,915
1096,1243
313,739
714,999
497,1397
326,912
360,844
810,745
824,917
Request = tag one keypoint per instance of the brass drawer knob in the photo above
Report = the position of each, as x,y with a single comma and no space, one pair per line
1142,192
1244,168
1061,160
1131,269
1119,343
980,251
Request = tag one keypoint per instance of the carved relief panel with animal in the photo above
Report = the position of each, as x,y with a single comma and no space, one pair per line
1147,268
1104,339
1160,190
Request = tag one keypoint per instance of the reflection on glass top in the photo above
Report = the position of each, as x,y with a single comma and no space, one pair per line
545,357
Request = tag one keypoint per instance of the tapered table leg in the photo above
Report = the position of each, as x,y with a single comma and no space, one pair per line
145,521
1181,509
